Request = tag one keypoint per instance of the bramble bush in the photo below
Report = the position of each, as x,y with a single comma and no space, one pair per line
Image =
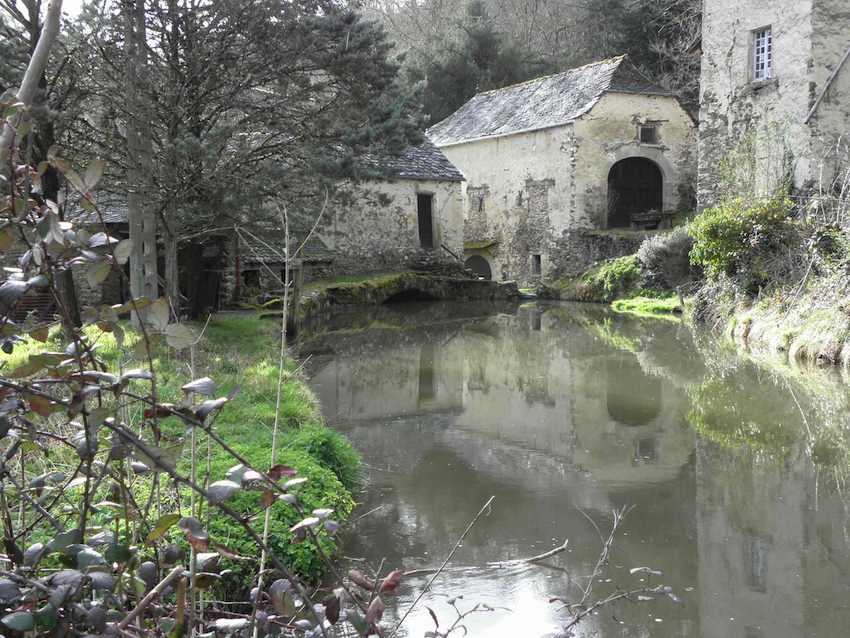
744,241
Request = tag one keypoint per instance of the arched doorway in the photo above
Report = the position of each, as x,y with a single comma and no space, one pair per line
479,266
635,186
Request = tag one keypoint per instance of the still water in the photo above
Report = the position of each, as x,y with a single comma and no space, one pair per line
734,473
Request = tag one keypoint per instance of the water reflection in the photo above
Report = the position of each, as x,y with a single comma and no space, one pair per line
556,408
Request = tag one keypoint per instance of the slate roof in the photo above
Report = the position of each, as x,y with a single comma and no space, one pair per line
113,212
422,162
259,252
542,103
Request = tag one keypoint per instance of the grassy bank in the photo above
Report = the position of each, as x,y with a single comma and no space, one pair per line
241,355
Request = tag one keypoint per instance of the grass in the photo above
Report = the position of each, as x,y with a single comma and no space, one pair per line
652,307
241,353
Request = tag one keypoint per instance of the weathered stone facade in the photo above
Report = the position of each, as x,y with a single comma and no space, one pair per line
532,186
757,134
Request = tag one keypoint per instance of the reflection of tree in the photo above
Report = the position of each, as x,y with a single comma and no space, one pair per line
742,412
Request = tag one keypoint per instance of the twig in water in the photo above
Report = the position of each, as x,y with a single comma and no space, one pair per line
443,566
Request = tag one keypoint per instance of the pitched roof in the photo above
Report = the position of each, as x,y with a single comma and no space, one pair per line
548,101
422,162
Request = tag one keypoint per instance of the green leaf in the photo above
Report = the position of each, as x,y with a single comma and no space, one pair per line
64,540
158,314
19,621
98,273
46,617
117,553
93,173
162,525
122,251
179,336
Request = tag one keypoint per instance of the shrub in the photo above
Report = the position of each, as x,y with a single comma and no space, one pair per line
666,258
737,240
612,278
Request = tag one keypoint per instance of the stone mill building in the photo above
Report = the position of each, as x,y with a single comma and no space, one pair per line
553,163
775,95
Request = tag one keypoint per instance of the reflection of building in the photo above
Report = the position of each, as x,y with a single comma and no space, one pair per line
765,567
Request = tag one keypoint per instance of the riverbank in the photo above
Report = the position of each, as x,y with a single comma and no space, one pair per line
240,354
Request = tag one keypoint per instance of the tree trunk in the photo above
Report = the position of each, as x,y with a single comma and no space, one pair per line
144,281
172,273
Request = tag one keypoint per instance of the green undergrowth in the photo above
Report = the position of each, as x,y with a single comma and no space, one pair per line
240,354
651,307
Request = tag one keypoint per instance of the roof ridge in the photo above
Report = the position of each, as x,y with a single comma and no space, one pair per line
618,59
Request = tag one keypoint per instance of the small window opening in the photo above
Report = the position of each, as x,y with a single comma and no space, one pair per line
251,278
648,134
505,274
481,203
425,207
763,54
536,264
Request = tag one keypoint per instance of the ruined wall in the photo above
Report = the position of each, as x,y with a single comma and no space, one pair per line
752,134
609,134
519,195
374,226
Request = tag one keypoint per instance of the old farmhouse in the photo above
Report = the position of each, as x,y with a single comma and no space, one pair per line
590,149
775,95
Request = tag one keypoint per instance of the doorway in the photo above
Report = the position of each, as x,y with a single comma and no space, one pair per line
635,186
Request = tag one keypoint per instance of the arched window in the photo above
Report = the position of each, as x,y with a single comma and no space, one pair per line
479,266
635,186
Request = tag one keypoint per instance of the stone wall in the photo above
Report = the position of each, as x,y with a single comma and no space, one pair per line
373,226
576,251
530,193
754,135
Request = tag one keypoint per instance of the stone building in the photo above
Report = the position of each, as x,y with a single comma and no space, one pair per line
551,162
775,95
407,215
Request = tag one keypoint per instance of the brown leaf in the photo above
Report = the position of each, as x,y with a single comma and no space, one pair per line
279,471
332,606
41,405
267,499
389,584
375,611
359,579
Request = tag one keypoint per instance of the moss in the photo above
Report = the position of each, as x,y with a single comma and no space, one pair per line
653,307
374,280
612,279
479,245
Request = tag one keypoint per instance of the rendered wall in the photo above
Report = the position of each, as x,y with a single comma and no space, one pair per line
754,136
536,193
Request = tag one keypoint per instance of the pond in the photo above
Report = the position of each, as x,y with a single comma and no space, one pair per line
734,473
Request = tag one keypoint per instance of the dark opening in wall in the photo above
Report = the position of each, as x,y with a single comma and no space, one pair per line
425,211
251,278
410,295
479,266
635,186
536,264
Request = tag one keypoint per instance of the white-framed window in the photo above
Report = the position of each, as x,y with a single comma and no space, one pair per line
762,54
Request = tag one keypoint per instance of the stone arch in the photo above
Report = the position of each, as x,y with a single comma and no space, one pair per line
480,266
635,185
